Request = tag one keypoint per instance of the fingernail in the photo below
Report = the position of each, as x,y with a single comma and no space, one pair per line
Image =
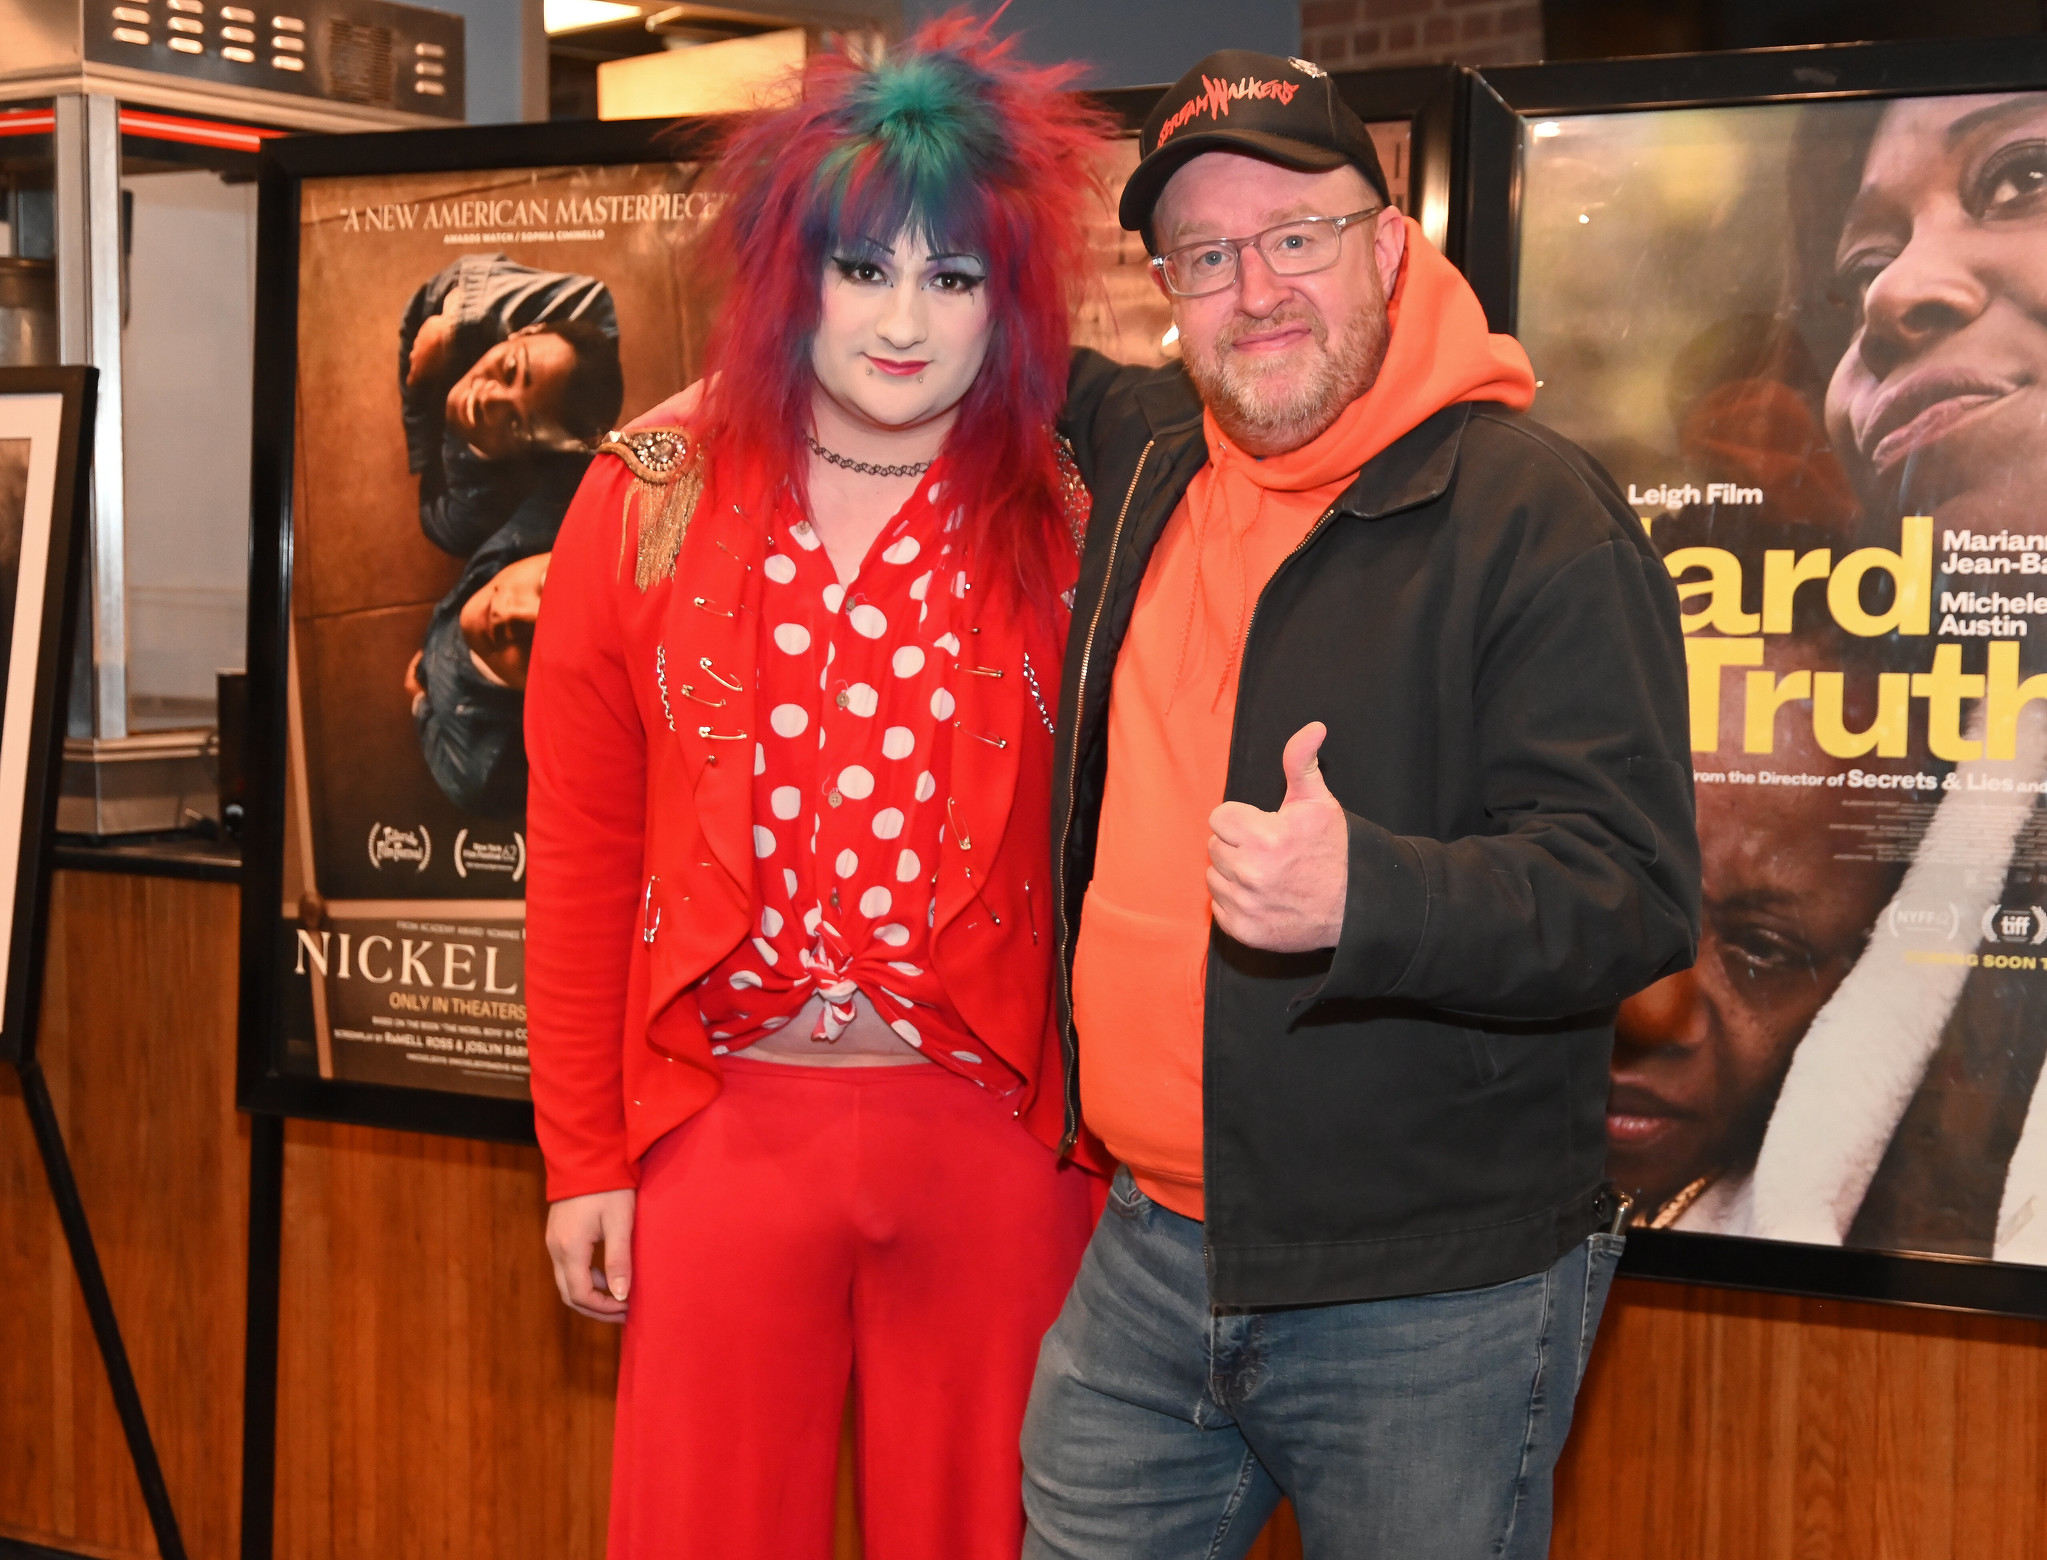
618,1289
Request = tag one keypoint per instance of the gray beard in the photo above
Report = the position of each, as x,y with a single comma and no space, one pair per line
1269,413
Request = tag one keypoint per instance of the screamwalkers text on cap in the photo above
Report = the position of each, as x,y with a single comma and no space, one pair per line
1283,110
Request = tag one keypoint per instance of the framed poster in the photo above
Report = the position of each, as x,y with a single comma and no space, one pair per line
45,455
447,323
537,283
1791,300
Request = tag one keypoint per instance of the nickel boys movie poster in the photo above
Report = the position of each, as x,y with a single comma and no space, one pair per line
464,340
1807,341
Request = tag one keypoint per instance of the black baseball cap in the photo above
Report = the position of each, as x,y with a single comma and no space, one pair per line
1283,110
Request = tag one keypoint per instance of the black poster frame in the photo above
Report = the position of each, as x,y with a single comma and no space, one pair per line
261,1086
68,523
1499,103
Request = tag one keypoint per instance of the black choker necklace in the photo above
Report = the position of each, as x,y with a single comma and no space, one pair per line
916,469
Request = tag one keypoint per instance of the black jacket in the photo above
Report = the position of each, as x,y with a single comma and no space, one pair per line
1494,645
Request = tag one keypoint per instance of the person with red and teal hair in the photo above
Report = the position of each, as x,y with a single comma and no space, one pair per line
797,1069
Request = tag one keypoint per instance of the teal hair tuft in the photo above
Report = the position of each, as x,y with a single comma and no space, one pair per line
920,134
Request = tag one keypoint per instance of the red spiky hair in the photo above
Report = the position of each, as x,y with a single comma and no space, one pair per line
950,136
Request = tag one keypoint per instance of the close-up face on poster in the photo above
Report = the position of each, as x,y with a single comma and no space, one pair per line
1810,344
464,341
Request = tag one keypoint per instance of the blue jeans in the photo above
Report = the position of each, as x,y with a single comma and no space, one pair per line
1420,1428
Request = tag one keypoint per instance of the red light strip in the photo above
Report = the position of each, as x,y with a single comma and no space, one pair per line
196,132
154,127
27,121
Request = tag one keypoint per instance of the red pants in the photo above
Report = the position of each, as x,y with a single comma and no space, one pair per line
889,1224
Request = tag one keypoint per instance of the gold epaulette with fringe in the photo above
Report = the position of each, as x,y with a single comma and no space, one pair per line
667,482
1074,498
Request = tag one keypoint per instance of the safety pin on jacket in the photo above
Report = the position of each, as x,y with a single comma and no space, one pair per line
960,834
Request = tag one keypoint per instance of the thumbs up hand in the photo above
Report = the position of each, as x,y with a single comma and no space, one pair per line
1277,880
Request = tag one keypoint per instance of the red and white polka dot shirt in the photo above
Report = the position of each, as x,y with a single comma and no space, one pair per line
850,788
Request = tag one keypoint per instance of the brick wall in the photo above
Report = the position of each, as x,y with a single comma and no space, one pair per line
1361,34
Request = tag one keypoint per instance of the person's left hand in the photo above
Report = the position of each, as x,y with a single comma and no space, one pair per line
1277,880
430,346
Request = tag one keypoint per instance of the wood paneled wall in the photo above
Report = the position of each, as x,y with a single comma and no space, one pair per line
437,1401
435,1397
1724,1426
138,1044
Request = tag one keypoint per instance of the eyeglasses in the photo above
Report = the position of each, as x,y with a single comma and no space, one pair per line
1295,248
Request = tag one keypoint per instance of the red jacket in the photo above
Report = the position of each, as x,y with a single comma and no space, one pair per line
640,835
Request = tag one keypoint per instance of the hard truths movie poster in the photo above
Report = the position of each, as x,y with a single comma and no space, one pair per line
1806,341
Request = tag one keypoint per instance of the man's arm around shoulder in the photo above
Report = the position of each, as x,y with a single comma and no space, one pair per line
1095,419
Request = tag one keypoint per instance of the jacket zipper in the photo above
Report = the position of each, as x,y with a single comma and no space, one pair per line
1250,626
1251,623
1069,1049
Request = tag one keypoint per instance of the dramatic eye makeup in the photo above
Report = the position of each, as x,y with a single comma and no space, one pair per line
867,262
960,273
862,259
860,269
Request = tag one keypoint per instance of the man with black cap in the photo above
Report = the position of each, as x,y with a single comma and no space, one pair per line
1374,800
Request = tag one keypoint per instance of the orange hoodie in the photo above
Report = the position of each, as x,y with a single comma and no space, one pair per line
1141,965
